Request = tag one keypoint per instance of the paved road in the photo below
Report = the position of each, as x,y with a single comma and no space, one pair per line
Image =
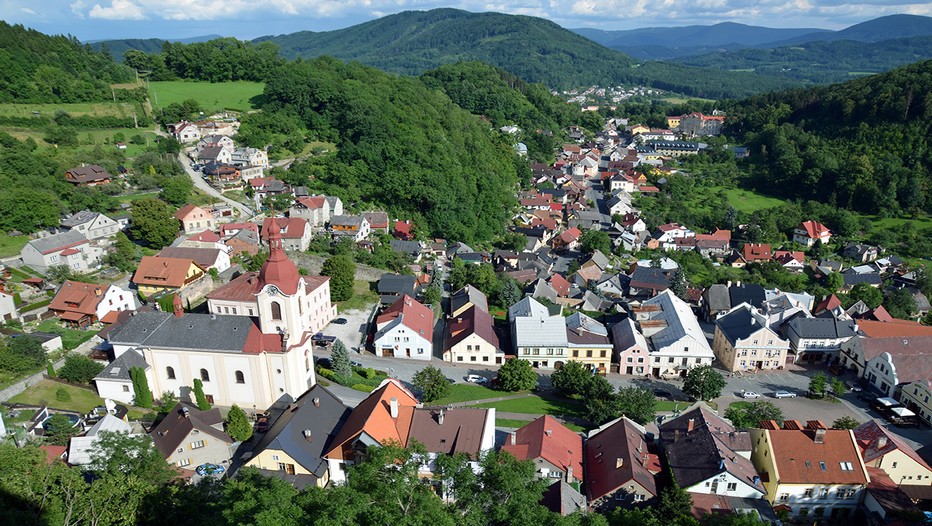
200,183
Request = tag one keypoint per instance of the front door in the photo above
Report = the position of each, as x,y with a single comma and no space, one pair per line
289,469
388,352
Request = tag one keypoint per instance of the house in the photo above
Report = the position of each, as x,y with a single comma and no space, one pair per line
860,252
677,343
188,437
314,209
215,154
810,471
631,350
206,258
8,310
243,242
593,268
114,381
412,249
294,232
195,219
70,248
214,141
674,148
404,230
887,503
185,132
563,498
206,239
695,124
355,227
294,446
750,293
93,225
854,276
588,343
568,240
162,274
405,330
83,304
81,449
88,175
249,157
756,252
225,175
916,396
471,338
621,465
378,221
792,260
744,341
887,363
467,297
708,456
647,282
392,287
538,334
716,300
619,204
557,452
818,340
885,450
808,232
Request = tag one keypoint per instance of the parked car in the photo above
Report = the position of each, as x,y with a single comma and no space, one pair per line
784,394
853,387
210,469
262,424
340,321
325,363
750,394
477,379
661,393
354,363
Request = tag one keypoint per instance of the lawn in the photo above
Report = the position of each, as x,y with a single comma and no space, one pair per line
71,338
750,201
899,222
536,405
508,422
468,392
212,96
10,246
82,400
363,297
97,109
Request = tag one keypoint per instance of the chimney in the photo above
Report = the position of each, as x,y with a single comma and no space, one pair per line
440,417
819,437
185,413
393,407
549,432
690,424
316,401
307,434
512,438
569,474
881,442
619,462
176,303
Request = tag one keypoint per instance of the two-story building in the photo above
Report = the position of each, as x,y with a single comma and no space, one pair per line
249,157
744,341
917,396
70,248
83,304
188,437
314,209
405,330
156,275
539,335
295,233
93,225
881,448
471,338
557,452
621,465
808,232
88,175
195,219
588,343
818,340
354,227
677,343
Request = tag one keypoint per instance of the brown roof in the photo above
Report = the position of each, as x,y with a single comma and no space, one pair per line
290,227
166,272
414,315
550,440
206,237
473,321
181,421
75,296
376,219
898,328
203,257
372,416
560,285
242,288
875,442
312,203
87,174
799,459
449,431
183,212
615,456
814,229
756,251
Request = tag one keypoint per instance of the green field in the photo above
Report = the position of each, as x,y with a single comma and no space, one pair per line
96,109
536,405
212,96
71,338
750,201
89,138
10,246
468,392
363,297
82,400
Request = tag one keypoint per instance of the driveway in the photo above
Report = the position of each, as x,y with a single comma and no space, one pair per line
201,184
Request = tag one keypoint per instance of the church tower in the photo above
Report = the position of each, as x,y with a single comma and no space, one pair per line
282,291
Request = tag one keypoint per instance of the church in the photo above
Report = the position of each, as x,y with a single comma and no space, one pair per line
253,346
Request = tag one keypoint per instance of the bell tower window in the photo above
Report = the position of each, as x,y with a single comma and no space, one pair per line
276,310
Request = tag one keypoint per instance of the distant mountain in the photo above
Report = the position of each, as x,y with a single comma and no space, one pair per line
534,49
116,48
820,62
876,30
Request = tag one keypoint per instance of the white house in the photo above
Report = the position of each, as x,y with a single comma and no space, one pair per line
206,258
539,336
93,225
471,338
405,330
70,248
249,157
186,132
7,307
808,232
114,381
85,303
314,209
917,396
677,343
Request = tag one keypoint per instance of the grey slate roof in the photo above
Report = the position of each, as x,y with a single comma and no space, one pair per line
119,369
412,248
717,297
203,332
749,293
466,295
305,429
562,498
822,327
397,284
58,241
853,278
79,218
738,324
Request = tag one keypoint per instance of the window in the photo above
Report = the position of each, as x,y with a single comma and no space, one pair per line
275,458
485,358
183,463
181,450
638,497
784,497
823,493
281,466
807,493
732,486
170,373
125,388
276,310
205,376
471,358
240,379
893,466
846,466
198,444
845,494
822,466
460,358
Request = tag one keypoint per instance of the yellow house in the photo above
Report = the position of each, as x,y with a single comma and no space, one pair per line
294,445
588,342
673,122
884,450
155,274
639,129
918,397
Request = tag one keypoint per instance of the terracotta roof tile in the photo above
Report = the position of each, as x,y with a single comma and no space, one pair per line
800,460
78,297
414,315
167,272
373,417
550,440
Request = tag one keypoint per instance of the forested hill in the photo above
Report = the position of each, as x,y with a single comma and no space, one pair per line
35,67
534,49
400,145
876,30
865,145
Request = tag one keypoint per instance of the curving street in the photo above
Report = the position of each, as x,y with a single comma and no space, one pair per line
200,183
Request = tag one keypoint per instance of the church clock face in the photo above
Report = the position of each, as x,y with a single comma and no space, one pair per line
273,290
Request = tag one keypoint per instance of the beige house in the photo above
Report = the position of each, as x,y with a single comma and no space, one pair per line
917,396
471,338
195,219
188,437
588,342
744,342
885,450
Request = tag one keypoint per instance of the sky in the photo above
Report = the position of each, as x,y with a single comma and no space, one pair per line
90,20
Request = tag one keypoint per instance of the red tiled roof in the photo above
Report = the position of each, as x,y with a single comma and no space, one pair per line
78,297
414,315
472,321
183,212
615,456
828,303
814,229
110,317
799,459
291,227
895,328
559,284
869,436
403,227
53,453
648,189
550,440
166,272
70,252
206,237
242,288
373,417
257,342
313,203
756,252
571,235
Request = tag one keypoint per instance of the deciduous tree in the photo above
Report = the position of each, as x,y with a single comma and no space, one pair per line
636,403
572,378
153,223
703,383
79,369
342,272
238,426
432,383
746,415
517,375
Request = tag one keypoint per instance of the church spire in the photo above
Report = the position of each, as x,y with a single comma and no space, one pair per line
278,270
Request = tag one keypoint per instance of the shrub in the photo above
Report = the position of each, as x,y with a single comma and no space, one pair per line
362,387
80,369
326,373
62,395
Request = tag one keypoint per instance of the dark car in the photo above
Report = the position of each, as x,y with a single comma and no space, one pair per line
660,393
262,424
325,363
340,321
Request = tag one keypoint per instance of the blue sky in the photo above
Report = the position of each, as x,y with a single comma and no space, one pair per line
246,19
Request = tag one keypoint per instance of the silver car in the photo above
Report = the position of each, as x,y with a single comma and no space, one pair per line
784,394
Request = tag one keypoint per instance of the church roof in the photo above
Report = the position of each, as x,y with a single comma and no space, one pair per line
278,270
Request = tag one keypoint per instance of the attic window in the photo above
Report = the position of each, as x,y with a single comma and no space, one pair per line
808,464
823,466
846,466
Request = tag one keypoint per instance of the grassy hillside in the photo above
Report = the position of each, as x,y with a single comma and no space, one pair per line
239,96
534,49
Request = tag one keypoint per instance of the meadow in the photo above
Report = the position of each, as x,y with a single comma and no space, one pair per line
212,96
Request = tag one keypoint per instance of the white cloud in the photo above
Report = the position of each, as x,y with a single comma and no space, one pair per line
26,11
118,10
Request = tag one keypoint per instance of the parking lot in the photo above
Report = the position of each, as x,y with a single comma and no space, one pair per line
352,332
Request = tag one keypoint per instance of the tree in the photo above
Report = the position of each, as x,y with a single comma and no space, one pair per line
142,394
745,415
433,294
600,410
238,426
572,378
340,361
818,384
153,223
675,503
704,383
593,240
838,387
678,283
21,355
59,429
517,375
637,404
199,396
871,296
432,383
834,281
59,273
79,369
342,272
176,190
118,452
510,293
901,304
167,402
124,254
845,422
